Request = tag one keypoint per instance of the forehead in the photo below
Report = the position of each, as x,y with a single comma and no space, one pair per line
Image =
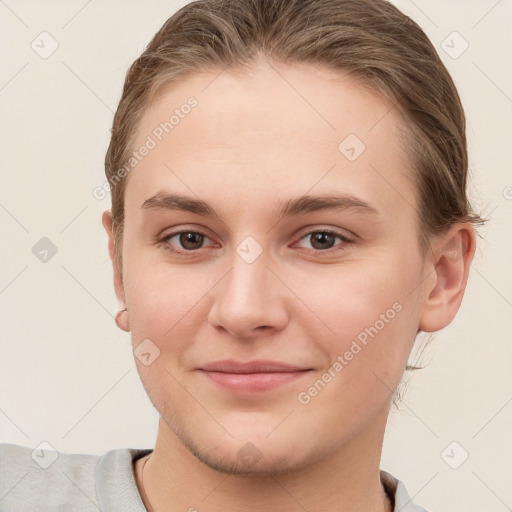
271,98
275,130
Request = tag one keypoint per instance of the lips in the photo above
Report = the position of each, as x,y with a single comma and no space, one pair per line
252,376
256,366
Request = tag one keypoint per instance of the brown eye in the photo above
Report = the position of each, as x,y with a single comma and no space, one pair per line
190,240
183,241
322,240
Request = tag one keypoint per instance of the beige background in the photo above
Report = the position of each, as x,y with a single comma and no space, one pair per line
67,374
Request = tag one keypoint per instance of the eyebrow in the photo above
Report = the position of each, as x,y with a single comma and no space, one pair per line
293,207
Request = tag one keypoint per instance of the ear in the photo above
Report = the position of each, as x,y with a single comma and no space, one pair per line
118,276
447,269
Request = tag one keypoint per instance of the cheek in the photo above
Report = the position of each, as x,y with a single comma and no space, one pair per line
351,300
165,304
372,318
162,296
366,361
169,307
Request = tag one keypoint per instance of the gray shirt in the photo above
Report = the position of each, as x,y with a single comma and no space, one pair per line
47,481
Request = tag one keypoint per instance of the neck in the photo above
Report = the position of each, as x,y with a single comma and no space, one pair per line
348,480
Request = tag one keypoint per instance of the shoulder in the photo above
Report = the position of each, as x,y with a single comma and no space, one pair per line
41,479
403,503
45,480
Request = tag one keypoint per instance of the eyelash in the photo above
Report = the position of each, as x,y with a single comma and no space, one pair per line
343,237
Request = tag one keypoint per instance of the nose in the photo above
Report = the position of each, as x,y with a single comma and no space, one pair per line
250,300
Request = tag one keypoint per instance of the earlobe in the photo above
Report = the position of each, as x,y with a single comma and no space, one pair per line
121,320
452,256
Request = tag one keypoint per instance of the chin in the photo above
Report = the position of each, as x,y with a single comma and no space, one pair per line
248,460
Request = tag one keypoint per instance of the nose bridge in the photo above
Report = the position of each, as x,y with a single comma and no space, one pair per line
249,297
248,278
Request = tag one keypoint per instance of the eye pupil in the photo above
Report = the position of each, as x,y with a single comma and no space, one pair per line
190,240
323,239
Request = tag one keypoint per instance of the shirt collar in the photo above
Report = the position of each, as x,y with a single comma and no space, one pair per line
403,503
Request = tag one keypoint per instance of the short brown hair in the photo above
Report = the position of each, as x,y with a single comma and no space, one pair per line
370,40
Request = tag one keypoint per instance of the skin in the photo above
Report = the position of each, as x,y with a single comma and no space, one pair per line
251,143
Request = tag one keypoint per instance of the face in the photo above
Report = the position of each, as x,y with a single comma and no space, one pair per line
289,235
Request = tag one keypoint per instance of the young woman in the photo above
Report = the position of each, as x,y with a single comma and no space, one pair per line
289,211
